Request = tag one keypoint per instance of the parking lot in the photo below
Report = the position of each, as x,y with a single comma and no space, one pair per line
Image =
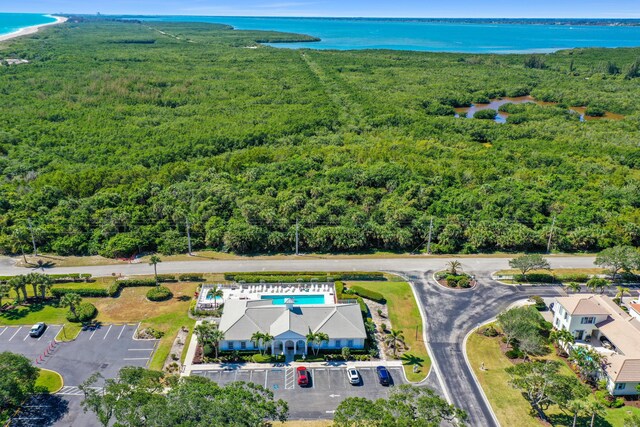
328,386
17,340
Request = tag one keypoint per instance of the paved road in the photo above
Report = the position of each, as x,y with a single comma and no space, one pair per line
451,314
303,263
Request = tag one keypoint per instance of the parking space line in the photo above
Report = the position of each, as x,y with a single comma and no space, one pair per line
12,336
94,332
265,378
121,331
4,330
27,336
133,337
105,335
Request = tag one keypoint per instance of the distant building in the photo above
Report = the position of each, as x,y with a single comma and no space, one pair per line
597,321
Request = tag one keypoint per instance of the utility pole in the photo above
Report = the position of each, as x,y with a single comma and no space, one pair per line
297,237
33,239
553,223
188,235
430,231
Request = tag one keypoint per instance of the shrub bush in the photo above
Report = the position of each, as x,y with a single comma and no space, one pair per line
84,312
514,354
191,277
462,280
490,331
288,276
535,278
539,303
368,294
580,278
166,278
160,293
114,290
487,114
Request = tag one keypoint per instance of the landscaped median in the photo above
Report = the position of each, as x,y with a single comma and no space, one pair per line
49,380
509,405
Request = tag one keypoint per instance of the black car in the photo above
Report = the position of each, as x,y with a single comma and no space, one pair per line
383,375
37,329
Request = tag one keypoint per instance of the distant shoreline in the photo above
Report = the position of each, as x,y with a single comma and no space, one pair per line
32,29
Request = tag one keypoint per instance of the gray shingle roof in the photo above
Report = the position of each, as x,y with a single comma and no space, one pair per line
242,318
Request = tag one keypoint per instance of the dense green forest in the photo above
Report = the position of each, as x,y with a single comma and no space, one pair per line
115,134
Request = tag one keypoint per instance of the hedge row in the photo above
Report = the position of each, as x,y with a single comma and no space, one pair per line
368,294
535,278
320,275
84,312
191,277
165,278
59,278
159,293
83,292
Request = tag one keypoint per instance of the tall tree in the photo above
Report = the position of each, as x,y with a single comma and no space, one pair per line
17,380
561,338
596,409
519,322
588,361
453,267
215,293
617,259
621,291
526,263
406,406
154,260
19,284
46,282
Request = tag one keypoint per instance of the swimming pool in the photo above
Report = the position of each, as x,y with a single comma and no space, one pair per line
298,299
218,300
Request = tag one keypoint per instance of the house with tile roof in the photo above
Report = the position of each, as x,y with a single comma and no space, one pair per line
597,321
289,325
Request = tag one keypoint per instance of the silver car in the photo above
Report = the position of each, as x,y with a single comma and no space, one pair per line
353,375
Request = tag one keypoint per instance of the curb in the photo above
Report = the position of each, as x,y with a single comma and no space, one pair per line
433,277
61,378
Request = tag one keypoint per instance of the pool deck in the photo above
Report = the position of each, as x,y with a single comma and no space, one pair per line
250,291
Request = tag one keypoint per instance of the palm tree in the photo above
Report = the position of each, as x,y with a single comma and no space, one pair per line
598,283
4,291
45,284
216,336
258,338
71,300
215,293
33,279
267,339
575,406
588,361
19,284
595,408
561,337
453,267
393,339
316,339
154,260
573,286
203,332
621,292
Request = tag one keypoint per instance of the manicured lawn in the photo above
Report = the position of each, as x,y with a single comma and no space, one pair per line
508,404
46,311
556,271
51,380
405,316
167,316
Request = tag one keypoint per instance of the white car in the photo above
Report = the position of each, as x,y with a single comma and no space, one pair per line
353,375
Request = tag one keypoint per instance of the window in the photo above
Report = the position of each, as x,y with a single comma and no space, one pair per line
557,323
243,345
350,343
338,343
230,345
621,386
587,320
566,315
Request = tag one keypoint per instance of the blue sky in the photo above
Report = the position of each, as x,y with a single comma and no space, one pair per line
376,8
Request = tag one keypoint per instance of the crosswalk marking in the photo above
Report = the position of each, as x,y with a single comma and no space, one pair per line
73,391
289,379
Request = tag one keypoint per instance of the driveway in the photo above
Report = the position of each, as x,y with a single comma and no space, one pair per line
329,386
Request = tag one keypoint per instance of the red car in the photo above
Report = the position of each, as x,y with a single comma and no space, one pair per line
303,376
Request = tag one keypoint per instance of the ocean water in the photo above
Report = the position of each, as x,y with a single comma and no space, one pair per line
11,22
452,36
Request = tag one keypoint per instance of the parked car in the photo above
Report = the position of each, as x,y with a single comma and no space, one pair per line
303,376
353,375
37,329
383,375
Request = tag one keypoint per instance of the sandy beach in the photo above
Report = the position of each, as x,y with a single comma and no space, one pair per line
31,30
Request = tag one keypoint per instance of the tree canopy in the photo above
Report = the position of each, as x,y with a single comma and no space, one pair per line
116,133
17,380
